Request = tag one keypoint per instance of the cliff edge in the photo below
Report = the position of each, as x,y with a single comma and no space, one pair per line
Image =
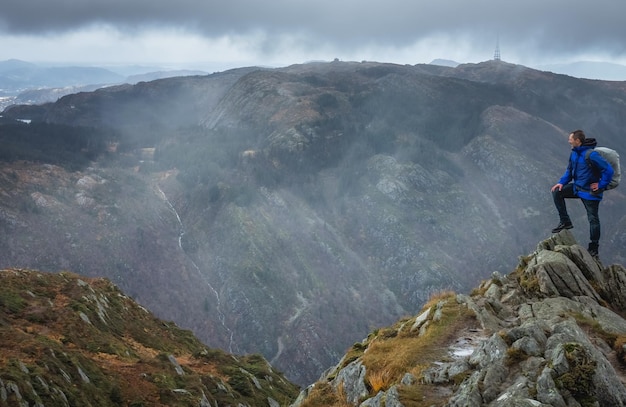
550,333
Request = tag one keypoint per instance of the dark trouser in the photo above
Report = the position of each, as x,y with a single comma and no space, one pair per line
567,192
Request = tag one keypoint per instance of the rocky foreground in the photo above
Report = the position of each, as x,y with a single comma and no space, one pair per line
550,333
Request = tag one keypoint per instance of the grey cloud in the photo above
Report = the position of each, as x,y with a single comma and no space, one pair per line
548,26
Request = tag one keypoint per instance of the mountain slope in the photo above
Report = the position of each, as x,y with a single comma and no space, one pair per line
289,211
552,332
67,340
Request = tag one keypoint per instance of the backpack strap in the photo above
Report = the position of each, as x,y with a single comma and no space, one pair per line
587,159
596,171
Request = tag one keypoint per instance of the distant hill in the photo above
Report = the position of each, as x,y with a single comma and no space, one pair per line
18,75
291,211
589,69
69,340
580,69
13,65
445,62
27,83
151,76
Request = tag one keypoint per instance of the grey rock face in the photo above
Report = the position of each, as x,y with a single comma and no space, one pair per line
551,354
352,379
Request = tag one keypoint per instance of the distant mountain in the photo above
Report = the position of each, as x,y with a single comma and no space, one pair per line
151,76
290,211
589,69
12,65
445,62
549,333
68,340
18,75
581,69
26,83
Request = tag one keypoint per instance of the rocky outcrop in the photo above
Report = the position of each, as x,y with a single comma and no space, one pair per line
551,333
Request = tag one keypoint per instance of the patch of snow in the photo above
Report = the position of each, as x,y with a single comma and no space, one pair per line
466,345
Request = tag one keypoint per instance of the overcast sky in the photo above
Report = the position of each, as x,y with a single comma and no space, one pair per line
214,35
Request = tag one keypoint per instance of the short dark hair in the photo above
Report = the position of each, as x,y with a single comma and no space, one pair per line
579,135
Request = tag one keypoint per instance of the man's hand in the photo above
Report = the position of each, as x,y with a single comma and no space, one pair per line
594,186
558,187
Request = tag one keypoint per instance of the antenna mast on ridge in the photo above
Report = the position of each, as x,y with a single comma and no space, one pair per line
496,54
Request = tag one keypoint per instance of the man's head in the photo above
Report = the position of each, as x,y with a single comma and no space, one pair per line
576,138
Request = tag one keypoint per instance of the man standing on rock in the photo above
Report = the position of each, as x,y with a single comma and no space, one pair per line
583,182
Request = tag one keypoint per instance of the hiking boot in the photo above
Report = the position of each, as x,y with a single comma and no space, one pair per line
593,250
562,226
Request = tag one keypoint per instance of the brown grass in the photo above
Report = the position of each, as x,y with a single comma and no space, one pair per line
619,344
437,296
406,350
409,353
392,352
379,380
323,395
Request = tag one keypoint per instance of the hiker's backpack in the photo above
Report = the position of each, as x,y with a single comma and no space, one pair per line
612,157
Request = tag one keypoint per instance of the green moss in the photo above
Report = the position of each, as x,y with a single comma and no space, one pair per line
12,301
579,379
529,283
514,356
240,382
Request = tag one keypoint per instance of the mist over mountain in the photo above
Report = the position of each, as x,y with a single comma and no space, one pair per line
290,211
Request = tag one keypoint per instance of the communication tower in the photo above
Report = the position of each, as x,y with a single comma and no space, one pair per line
496,54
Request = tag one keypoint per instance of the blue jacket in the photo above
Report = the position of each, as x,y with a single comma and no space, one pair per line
583,176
